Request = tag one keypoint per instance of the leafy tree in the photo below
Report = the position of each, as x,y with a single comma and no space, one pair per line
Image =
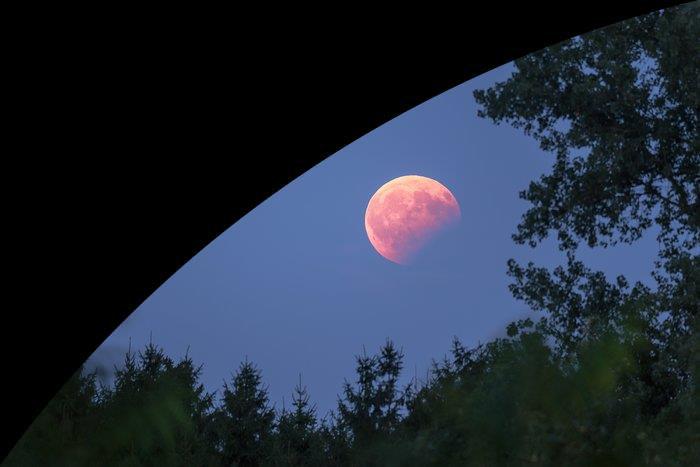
674,434
517,403
619,109
244,421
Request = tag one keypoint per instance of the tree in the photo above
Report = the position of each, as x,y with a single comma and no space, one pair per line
515,402
619,109
297,441
244,421
369,413
156,412
56,436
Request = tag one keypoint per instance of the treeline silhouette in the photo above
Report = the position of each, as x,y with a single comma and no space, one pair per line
606,375
512,401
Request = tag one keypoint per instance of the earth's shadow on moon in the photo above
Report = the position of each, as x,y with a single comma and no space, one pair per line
442,248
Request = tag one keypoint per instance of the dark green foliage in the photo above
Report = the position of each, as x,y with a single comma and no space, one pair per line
529,406
244,421
56,437
156,413
369,412
619,109
371,408
297,440
607,375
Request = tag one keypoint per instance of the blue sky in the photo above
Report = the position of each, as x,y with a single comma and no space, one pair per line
296,287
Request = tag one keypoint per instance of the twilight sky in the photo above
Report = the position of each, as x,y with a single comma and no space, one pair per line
297,287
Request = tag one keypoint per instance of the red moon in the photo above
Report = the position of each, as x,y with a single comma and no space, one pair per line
405,213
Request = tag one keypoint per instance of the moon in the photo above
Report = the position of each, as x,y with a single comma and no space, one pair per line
406,213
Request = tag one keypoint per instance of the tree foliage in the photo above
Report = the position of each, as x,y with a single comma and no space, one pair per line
244,420
619,109
298,441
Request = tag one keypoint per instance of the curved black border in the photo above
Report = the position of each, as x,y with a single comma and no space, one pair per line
159,140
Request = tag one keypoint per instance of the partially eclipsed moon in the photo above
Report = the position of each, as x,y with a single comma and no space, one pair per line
405,213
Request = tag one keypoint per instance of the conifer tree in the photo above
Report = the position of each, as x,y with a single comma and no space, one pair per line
297,439
157,412
57,435
244,420
370,408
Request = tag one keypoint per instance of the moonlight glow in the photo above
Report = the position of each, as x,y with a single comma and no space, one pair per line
405,213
